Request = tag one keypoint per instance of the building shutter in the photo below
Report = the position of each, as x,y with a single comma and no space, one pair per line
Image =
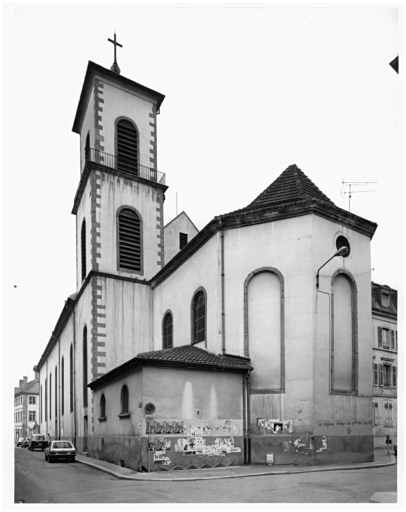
182,240
394,377
379,337
129,240
127,147
375,367
381,375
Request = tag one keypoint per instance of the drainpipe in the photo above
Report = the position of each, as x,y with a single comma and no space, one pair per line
46,401
74,375
223,317
248,417
59,388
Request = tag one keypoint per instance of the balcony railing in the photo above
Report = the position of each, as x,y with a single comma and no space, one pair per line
126,165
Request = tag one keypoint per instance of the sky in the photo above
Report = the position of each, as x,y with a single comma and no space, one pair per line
249,91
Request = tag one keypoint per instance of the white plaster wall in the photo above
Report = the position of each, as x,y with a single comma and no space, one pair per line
87,127
116,192
181,224
84,212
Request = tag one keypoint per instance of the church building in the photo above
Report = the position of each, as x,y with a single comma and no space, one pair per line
248,342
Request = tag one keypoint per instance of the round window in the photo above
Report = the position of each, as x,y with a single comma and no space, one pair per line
343,242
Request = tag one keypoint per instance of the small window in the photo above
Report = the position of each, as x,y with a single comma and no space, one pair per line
31,400
127,147
129,240
343,242
199,317
182,240
31,416
167,331
124,400
102,406
385,299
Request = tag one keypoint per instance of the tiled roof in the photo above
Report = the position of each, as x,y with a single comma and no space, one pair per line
192,354
292,185
31,387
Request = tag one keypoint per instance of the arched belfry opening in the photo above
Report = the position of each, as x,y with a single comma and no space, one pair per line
127,147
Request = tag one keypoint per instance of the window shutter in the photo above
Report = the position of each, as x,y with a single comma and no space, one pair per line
379,337
129,239
127,147
381,375
392,340
375,374
183,239
394,377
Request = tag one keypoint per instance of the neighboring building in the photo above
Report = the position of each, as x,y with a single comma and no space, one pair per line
26,407
231,340
385,362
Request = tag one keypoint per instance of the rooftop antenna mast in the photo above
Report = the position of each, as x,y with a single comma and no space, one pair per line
351,184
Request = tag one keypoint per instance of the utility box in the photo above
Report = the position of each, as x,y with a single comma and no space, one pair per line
269,459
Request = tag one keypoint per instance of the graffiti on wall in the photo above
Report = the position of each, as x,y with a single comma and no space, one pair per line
159,446
193,427
275,426
200,446
161,427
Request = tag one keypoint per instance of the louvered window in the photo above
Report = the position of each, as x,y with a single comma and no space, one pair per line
199,317
167,331
182,240
129,240
83,248
102,407
124,400
85,367
127,147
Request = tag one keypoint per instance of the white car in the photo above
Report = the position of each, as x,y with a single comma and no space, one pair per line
60,450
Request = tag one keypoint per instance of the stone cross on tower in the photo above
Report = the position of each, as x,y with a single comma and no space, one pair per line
115,67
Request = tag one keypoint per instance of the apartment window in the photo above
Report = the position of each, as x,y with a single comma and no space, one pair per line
376,414
124,400
386,338
385,299
85,366
102,407
127,146
392,340
167,331
394,377
386,375
199,317
182,240
375,366
388,417
83,248
31,400
129,240
31,416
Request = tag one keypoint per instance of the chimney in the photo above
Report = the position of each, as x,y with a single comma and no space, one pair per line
20,383
25,379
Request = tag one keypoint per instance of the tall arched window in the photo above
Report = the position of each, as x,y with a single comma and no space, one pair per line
83,248
87,148
46,400
264,331
124,399
102,406
71,378
40,412
344,334
63,385
56,392
129,240
50,395
127,146
199,317
167,331
85,366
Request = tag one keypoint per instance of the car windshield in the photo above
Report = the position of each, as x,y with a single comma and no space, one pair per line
38,438
62,444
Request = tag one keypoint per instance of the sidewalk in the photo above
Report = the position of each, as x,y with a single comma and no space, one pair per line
382,459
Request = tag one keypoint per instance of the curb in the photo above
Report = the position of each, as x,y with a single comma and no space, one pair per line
270,473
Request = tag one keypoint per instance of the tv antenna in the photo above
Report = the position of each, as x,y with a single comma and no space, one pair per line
351,184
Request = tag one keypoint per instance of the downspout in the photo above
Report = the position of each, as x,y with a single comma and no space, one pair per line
223,315
248,377
46,401
74,375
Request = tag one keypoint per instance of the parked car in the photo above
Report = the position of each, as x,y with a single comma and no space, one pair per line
20,441
26,442
60,450
38,442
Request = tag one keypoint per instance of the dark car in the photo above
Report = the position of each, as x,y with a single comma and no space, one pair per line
38,442
60,450
26,442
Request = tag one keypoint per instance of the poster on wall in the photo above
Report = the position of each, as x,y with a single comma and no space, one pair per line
275,426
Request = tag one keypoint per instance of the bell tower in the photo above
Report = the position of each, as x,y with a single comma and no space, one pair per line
119,200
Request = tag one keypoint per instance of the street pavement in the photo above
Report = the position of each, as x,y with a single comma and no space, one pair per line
37,481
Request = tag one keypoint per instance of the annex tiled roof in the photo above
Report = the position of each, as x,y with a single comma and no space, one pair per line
31,387
192,354
292,185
